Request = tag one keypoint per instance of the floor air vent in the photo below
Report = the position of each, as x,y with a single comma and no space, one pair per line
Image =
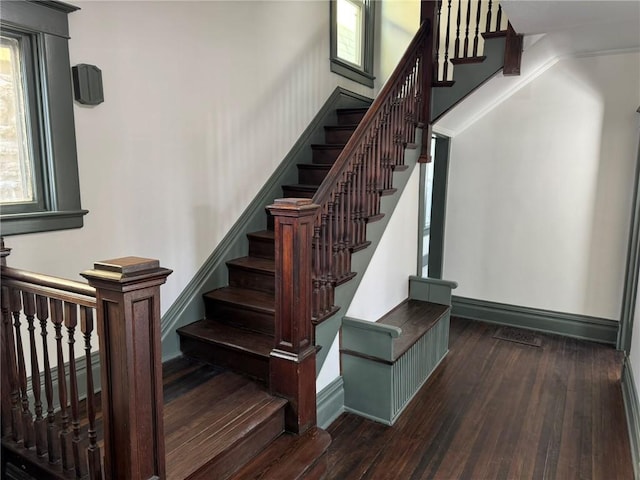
518,335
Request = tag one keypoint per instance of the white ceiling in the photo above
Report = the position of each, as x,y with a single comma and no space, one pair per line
603,25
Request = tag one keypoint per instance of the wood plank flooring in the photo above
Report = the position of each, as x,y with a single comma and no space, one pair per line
499,410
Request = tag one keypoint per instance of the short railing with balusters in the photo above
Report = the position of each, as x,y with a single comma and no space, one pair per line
50,307
50,415
349,196
462,27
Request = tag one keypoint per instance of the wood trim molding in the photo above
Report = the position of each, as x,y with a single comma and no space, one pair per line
330,402
189,307
632,274
632,411
567,324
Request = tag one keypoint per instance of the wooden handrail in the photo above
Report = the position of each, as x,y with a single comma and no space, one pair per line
49,286
323,193
349,196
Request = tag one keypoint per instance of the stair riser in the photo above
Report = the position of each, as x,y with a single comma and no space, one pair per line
339,136
239,317
237,360
263,281
312,176
230,461
292,192
350,117
262,248
325,156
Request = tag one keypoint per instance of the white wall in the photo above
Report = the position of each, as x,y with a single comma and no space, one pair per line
202,101
540,191
385,282
396,24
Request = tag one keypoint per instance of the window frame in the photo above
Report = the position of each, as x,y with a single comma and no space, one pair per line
53,140
363,75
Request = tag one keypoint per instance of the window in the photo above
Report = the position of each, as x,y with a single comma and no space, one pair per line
352,40
39,188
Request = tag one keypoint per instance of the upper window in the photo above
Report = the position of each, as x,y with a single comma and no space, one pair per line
352,40
39,188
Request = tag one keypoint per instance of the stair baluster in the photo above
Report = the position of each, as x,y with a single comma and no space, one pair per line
499,18
65,434
93,449
475,38
27,419
29,301
445,68
466,30
9,348
487,27
457,43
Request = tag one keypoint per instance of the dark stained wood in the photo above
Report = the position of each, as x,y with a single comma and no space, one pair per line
350,116
299,191
235,348
499,410
339,134
293,359
312,174
218,425
94,457
415,318
261,244
128,313
467,60
512,52
57,317
428,16
290,457
242,307
254,273
326,154
10,369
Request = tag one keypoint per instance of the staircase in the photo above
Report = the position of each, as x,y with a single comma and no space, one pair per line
237,331
227,405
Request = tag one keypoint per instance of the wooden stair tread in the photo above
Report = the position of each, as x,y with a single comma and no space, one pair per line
206,429
350,126
262,235
257,264
352,110
243,297
290,457
415,318
328,146
314,166
301,186
213,332
467,60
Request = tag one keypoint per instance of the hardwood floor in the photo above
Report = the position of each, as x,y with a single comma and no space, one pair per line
499,410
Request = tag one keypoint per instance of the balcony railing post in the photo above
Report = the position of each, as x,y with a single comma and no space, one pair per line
128,314
428,13
4,354
293,359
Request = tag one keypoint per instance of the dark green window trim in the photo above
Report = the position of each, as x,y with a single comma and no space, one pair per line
353,72
46,24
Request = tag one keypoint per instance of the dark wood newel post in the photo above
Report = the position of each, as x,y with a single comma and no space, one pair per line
128,313
293,359
428,13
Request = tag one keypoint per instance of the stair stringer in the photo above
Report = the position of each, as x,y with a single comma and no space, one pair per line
213,273
327,331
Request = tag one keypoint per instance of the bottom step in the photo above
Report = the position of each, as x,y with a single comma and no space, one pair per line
218,426
290,457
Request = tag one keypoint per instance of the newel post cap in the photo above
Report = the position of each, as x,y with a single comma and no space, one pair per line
293,207
126,273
